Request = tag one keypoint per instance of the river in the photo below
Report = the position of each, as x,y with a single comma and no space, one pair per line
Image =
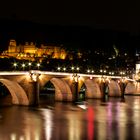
94,120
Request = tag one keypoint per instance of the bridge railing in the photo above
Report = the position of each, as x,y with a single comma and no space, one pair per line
66,74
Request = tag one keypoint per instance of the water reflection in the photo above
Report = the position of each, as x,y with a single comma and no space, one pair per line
48,123
90,123
19,123
75,125
65,121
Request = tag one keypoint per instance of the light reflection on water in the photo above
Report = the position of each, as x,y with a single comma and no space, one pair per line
65,121
48,123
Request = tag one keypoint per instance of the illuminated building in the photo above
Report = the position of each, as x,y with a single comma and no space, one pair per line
29,51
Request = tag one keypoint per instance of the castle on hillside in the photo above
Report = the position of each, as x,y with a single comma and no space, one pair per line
29,51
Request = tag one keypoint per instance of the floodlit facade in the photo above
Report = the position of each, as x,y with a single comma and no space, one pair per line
29,51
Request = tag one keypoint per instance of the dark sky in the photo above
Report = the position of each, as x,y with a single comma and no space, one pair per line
114,14
122,15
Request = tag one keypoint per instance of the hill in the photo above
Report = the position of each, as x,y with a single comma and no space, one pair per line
72,37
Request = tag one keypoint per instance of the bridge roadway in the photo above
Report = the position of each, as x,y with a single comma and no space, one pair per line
24,86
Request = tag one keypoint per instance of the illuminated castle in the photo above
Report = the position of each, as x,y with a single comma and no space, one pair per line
29,51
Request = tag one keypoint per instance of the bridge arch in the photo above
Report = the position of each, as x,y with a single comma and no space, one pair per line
62,89
114,89
130,88
18,94
92,89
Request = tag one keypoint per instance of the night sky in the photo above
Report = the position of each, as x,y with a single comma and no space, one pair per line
86,17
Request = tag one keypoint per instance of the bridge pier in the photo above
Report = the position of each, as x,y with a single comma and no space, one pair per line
33,93
104,91
75,87
122,87
34,89
75,91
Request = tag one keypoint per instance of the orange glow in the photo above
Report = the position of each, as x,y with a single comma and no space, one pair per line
29,50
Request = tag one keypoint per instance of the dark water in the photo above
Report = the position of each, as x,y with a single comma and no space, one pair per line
114,120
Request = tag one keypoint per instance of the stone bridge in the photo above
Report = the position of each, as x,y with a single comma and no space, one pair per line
24,87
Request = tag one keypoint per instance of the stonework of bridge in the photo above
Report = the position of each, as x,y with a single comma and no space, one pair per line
24,87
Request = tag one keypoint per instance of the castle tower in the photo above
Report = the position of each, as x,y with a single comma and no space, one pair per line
12,46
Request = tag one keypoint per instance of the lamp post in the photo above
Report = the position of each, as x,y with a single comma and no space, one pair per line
64,69
23,66
29,64
58,68
15,66
38,65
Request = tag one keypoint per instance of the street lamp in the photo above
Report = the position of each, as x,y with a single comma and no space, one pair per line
92,71
58,68
23,66
77,68
101,71
111,73
64,69
104,71
15,65
29,64
72,68
88,71
38,65
122,73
